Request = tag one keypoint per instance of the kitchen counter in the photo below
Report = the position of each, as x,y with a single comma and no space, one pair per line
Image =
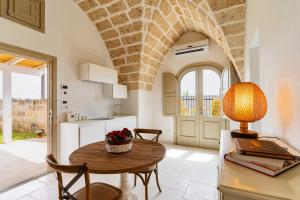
99,121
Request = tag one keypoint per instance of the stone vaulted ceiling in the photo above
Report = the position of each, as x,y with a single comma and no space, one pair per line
139,33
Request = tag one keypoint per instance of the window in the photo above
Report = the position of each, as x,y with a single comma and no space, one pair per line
188,94
211,94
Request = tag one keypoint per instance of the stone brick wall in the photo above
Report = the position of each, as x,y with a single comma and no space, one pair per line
139,33
28,114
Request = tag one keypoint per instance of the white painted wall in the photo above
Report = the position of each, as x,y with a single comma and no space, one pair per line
274,27
72,38
173,64
139,103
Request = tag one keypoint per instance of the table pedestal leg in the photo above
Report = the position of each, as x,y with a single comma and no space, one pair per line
124,186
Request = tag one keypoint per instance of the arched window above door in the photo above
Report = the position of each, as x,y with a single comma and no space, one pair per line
187,84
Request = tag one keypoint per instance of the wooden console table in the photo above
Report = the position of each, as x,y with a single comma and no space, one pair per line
239,183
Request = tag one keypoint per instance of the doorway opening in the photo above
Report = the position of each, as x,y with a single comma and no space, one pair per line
199,118
27,125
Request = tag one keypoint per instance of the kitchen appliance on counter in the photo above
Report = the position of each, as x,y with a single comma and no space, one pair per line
72,117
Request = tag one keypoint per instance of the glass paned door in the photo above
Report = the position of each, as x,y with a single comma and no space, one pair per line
187,121
211,103
188,94
199,116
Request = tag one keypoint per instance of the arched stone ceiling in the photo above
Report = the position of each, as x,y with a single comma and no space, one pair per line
139,33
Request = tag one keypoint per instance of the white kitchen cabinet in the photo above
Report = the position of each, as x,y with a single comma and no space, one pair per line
91,134
118,124
68,141
96,73
115,91
77,134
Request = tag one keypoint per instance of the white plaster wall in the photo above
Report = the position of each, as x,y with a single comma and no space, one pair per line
130,106
139,103
72,38
145,109
274,27
173,64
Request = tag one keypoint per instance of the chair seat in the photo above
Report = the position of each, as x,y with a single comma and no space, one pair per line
146,169
100,191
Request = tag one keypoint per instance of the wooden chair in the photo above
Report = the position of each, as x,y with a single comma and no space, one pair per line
147,171
92,191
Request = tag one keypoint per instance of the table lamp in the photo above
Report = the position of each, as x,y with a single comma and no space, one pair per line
244,102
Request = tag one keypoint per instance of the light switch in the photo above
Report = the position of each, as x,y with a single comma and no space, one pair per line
64,98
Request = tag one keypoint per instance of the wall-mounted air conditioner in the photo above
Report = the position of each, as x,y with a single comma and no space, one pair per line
192,48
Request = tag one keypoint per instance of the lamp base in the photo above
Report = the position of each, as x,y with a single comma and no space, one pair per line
248,134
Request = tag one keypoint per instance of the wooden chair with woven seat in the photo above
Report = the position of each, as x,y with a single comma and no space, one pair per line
149,170
92,191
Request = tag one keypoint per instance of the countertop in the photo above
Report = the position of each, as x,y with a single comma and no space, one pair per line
96,121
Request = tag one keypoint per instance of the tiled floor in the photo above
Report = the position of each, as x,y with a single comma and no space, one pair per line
186,174
29,153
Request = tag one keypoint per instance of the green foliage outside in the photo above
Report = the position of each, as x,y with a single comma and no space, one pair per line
19,135
216,108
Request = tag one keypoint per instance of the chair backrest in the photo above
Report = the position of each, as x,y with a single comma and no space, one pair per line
79,170
155,132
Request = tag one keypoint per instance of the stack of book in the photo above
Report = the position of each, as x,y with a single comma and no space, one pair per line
264,156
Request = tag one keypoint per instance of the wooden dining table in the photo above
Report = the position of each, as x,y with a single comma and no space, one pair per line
143,154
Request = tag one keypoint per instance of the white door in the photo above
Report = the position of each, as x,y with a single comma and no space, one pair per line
199,115
188,117
211,121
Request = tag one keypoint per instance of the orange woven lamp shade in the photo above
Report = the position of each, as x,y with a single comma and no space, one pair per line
245,102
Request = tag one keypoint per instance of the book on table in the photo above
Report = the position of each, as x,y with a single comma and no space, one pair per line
264,161
263,148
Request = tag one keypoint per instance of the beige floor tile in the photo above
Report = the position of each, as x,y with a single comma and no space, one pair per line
48,192
166,194
22,190
49,178
176,182
26,198
154,194
199,191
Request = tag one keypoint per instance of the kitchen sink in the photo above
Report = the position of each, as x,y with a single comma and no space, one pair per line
102,118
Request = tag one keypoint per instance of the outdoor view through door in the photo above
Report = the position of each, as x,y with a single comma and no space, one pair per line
24,120
199,119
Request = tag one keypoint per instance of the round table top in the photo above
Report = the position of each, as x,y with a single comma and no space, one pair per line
143,154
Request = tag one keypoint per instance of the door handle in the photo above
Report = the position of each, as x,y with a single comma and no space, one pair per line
50,115
201,111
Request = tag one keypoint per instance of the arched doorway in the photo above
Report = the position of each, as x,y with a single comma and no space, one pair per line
199,118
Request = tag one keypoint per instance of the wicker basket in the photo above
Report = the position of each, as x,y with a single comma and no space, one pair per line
119,148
